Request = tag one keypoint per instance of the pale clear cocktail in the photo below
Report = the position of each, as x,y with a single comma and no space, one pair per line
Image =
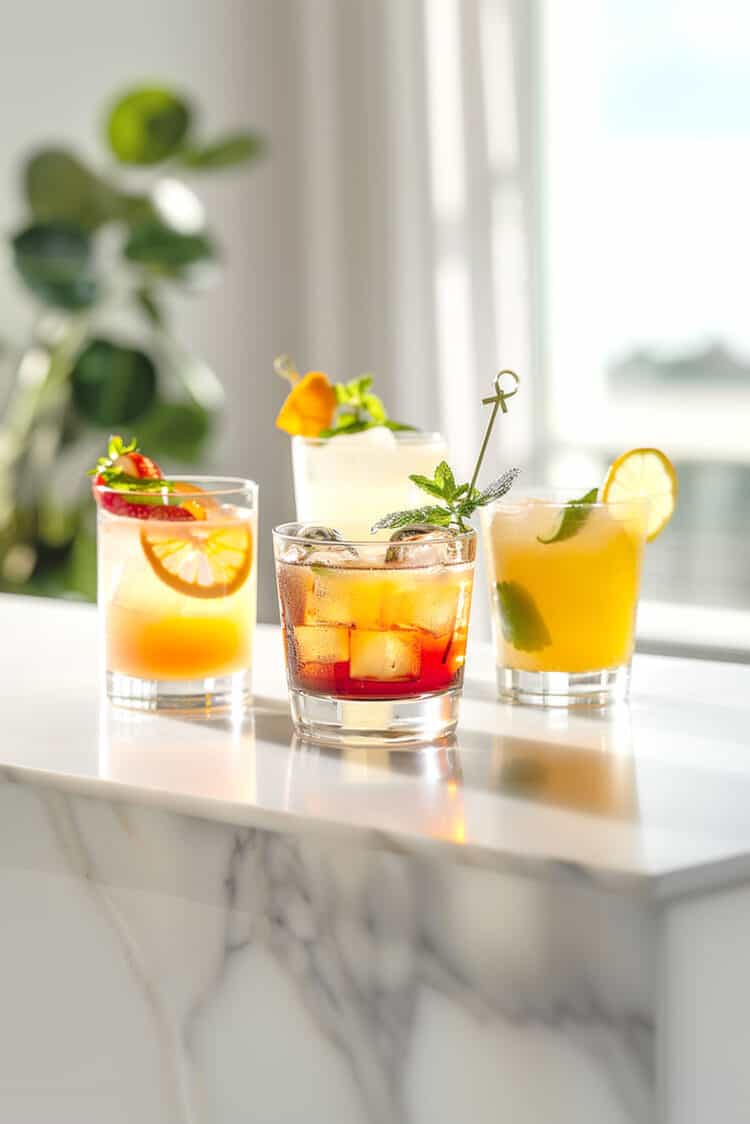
351,480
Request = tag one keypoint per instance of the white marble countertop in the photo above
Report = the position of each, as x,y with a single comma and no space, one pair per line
654,799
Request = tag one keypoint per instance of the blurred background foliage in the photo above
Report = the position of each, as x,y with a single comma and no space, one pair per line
98,253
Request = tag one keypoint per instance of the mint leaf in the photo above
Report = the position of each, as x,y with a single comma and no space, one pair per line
359,409
520,619
460,500
399,427
574,516
497,488
426,485
445,480
374,407
438,516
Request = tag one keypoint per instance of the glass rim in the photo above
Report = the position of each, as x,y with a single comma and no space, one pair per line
279,532
236,486
404,436
566,496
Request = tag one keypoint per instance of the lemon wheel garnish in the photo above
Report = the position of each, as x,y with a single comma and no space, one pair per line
644,474
198,560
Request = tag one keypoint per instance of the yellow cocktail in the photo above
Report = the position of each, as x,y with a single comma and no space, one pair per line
564,579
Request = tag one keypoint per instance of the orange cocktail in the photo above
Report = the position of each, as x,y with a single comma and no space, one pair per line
564,583
178,595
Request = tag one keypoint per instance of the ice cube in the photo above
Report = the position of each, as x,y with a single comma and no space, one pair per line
430,604
352,599
422,544
320,645
329,556
309,551
384,656
363,443
294,552
317,532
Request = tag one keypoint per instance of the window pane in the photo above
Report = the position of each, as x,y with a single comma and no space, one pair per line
647,118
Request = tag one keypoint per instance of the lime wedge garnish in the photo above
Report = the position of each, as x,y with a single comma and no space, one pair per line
574,516
521,621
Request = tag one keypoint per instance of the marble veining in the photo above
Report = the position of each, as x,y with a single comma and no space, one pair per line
212,923
651,799
392,986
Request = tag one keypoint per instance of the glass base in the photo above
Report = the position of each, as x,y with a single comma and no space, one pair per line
363,722
220,692
564,689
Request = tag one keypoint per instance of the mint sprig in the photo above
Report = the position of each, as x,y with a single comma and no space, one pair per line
459,501
574,516
358,408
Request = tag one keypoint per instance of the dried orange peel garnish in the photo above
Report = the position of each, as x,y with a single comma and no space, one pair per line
310,406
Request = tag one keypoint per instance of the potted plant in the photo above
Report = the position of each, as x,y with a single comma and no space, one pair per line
98,253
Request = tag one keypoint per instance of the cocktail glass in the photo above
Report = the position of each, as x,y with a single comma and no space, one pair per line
351,480
564,586
177,600
375,634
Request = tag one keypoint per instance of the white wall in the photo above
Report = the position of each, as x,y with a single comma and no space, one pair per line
59,62
335,244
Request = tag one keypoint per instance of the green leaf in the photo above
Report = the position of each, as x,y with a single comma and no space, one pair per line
346,422
398,427
497,488
112,384
445,480
57,185
54,260
227,151
176,429
438,516
427,485
574,516
374,407
148,304
167,252
137,209
148,124
520,619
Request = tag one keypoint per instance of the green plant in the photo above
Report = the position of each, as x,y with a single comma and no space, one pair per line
100,253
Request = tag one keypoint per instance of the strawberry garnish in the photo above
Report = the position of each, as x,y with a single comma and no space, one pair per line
124,464
138,465
125,481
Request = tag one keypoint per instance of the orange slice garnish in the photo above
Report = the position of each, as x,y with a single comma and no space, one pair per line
197,508
203,560
309,407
